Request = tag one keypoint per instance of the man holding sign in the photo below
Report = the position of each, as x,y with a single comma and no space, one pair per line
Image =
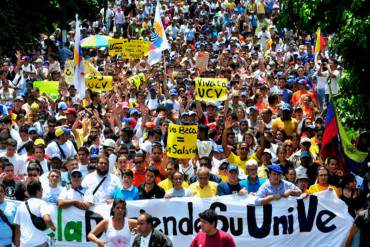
211,89
182,141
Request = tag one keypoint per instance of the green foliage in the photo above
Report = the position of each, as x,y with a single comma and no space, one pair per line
349,21
23,20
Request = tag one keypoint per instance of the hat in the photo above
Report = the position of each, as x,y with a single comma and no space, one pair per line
109,143
168,105
275,168
62,106
301,82
185,114
319,119
35,106
71,111
192,113
268,151
285,107
152,90
125,105
305,139
254,108
32,129
173,92
232,167
18,98
251,163
61,117
243,94
39,142
94,156
76,170
280,74
209,103
218,149
302,176
58,132
305,154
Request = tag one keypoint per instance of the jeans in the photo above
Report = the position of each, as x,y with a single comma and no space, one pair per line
321,97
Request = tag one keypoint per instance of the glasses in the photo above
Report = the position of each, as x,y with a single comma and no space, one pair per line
33,174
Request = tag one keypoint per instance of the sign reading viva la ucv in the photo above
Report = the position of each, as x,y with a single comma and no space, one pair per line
187,223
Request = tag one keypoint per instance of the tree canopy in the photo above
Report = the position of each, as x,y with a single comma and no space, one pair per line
349,21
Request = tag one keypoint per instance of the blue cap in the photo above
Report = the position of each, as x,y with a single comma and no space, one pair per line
76,170
280,74
275,168
94,156
67,131
173,92
243,94
301,82
62,106
218,149
285,107
133,111
232,167
9,105
94,150
290,80
305,154
168,105
32,129
152,90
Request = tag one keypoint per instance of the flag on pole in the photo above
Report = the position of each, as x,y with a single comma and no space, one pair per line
79,74
158,41
333,129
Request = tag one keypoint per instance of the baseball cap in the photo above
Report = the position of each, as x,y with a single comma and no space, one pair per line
232,167
109,143
302,82
301,176
305,139
18,98
305,154
62,106
35,106
58,132
61,117
76,170
218,149
275,168
39,142
32,129
285,107
168,105
173,92
71,111
125,105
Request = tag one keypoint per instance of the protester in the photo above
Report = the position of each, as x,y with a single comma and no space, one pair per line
322,182
148,236
117,228
178,190
7,213
210,235
203,188
128,191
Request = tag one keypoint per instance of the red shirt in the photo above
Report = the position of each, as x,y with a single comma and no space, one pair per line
139,178
220,239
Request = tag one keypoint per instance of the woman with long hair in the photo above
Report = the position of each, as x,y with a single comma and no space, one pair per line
117,228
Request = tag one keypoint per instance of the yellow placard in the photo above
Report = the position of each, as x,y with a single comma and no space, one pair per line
69,71
49,87
182,141
135,49
99,83
115,46
137,80
211,89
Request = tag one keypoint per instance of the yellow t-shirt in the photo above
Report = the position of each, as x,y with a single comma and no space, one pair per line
210,190
167,184
233,158
317,188
262,171
290,127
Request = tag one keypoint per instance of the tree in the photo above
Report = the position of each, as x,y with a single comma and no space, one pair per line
24,20
349,22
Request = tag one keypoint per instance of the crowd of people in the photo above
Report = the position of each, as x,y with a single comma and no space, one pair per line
110,146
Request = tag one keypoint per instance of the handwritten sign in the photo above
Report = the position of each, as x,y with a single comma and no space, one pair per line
115,46
137,80
211,89
135,49
49,87
182,141
99,83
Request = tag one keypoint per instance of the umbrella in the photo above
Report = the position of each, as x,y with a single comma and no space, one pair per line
97,41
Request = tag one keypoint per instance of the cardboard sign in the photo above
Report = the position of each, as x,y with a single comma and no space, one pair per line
137,80
69,71
135,49
211,89
115,46
201,61
49,87
99,83
182,141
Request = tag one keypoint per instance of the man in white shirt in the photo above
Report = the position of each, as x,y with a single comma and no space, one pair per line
26,232
52,188
14,158
61,146
100,183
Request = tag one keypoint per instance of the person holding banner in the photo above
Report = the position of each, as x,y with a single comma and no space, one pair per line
210,236
117,228
203,188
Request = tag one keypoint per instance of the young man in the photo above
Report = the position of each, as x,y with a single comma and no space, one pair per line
232,185
210,235
14,190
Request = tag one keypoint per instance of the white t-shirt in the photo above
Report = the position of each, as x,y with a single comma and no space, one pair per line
30,235
50,194
105,191
18,163
70,194
68,149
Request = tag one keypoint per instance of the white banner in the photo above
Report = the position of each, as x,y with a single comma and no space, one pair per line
314,221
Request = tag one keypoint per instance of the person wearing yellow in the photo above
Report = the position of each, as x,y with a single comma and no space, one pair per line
322,182
285,122
203,188
262,170
171,168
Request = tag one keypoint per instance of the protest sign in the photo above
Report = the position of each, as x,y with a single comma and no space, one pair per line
182,141
315,221
137,80
211,89
49,87
69,71
115,46
99,83
135,49
201,61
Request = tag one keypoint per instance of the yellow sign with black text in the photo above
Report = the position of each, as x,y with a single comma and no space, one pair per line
137,80
211,89
99,83
182,141
135,49
115,46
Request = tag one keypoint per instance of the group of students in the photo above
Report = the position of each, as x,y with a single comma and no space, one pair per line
264,140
